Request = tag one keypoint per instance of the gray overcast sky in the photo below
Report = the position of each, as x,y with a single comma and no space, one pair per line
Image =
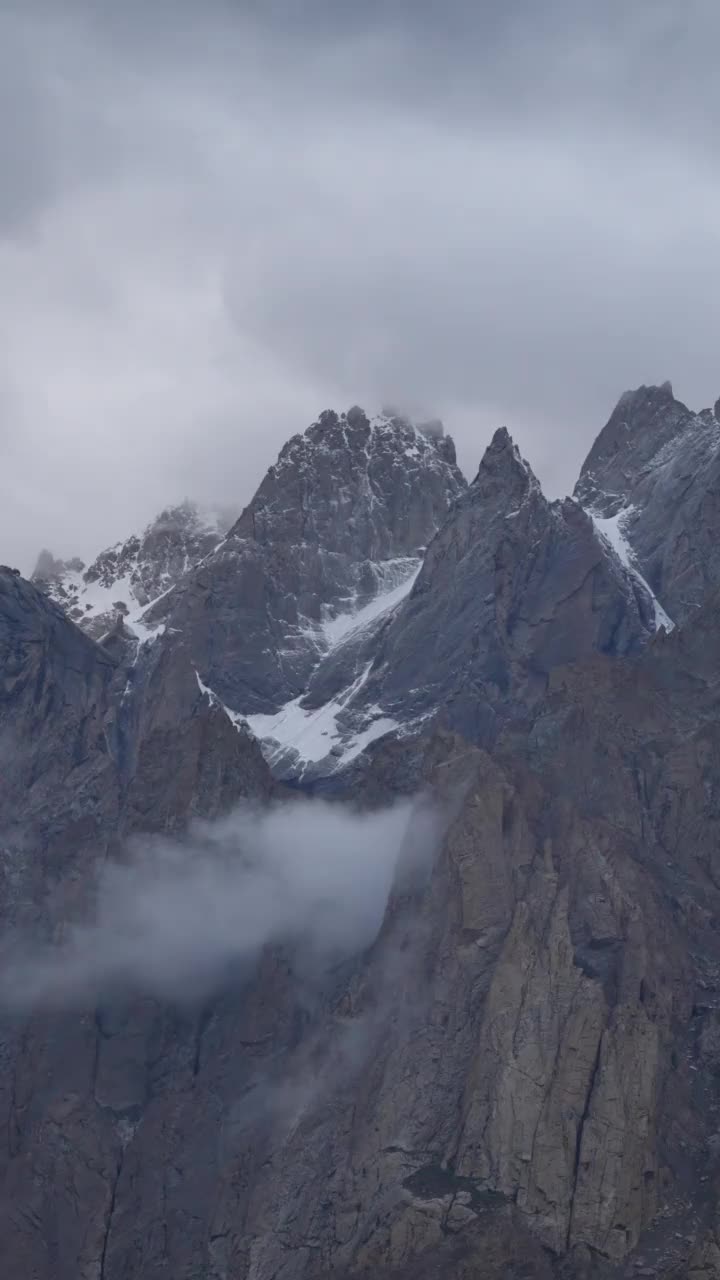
219,216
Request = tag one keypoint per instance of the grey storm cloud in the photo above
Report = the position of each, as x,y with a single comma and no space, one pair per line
218,218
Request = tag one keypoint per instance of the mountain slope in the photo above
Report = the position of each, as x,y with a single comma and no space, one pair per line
342,517
123,580
526,1057
93,749
652,479
519,1076
97,741
510,587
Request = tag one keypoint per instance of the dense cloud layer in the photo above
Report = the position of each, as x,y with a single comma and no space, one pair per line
216,218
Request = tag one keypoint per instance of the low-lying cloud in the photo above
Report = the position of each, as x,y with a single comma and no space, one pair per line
171,919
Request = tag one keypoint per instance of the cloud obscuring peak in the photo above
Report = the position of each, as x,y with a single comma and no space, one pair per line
217,217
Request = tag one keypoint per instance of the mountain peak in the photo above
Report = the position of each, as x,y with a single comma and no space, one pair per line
125,578
643,423
502,443
187,519
503,474
645,395
506,969
654,468
48,568
376,487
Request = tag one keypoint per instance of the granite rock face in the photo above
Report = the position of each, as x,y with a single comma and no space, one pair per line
366,490
520,1075
98,741
343,516
94,749
538,1019
510,587
654,472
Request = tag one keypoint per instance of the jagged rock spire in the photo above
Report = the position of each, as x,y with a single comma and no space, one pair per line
370,488
655,468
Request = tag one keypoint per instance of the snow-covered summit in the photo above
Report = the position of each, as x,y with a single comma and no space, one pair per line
126,578
367,587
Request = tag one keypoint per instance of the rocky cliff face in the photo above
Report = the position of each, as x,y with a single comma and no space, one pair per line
511,586
520,1074
652,480
340,521
97,743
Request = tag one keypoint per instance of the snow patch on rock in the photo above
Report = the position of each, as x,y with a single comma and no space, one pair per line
308,736
612,531
237,720
127,578
400,576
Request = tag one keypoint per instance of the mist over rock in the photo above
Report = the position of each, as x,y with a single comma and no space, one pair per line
49,569
359,873
123,580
